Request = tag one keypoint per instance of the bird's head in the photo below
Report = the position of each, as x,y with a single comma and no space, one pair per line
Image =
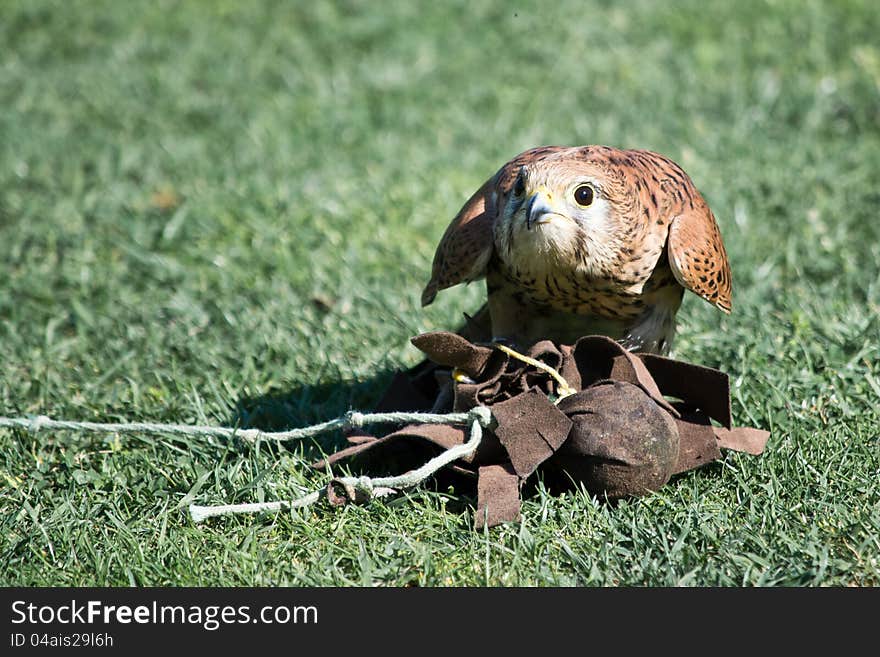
593,211
567,208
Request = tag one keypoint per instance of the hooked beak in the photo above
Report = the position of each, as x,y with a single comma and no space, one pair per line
539,209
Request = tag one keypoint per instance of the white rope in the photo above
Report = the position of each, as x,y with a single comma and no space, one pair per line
479,417
370,487
351,420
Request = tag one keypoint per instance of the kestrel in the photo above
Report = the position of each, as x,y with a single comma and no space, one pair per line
586,240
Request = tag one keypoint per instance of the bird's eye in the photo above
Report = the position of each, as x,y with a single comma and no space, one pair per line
583,195
519,187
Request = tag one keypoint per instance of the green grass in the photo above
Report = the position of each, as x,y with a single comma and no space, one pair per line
216,209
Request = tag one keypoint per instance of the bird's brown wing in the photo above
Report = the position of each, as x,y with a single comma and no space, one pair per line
697,255
467,245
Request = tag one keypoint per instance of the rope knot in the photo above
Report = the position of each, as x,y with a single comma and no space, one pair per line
354,420
481,414
348,490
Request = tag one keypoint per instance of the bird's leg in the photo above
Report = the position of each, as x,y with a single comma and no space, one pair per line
654,331
509,313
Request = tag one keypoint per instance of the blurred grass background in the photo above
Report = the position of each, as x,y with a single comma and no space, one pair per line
223,211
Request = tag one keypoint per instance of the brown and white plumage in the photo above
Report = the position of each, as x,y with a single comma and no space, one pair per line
587,239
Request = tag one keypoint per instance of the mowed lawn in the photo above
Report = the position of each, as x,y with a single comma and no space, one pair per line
224,212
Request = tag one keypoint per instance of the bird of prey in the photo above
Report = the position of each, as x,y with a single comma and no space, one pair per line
586,240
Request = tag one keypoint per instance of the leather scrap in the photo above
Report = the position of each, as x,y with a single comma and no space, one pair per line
546,352
443,436
358,436
698,445
361,444
703,387
530,428
743,439
494,383
452,350
498,498
569,369
621,443
636,420
599,358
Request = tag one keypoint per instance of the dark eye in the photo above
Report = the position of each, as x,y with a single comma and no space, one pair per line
583,195
519,187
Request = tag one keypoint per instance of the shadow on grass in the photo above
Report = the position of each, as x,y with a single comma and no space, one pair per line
304,405
307,404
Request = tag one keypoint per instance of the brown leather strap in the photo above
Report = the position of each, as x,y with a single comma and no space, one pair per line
530,429
497,496
743,439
